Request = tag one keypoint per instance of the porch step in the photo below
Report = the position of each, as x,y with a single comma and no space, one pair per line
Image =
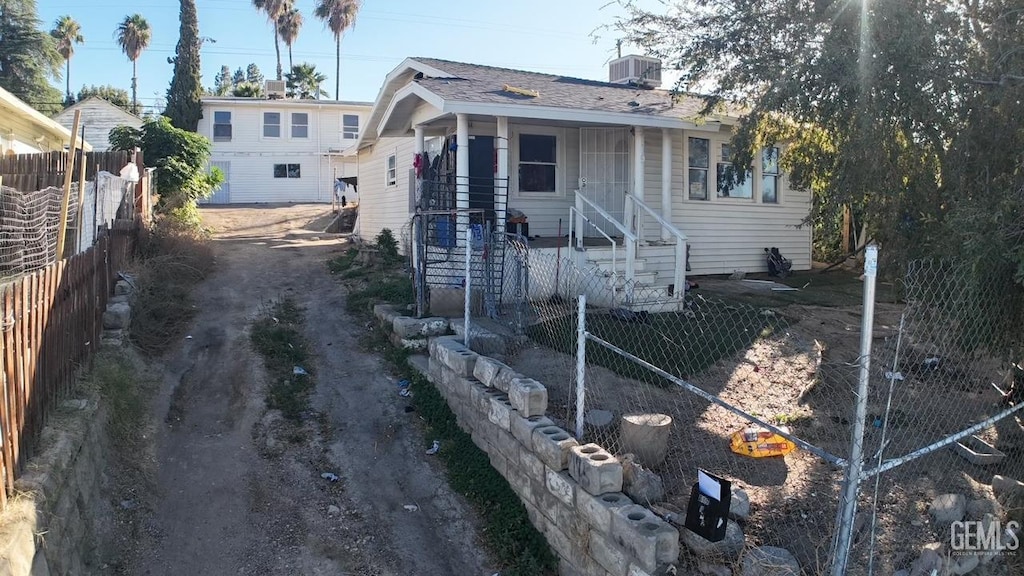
640,279
653,299
639,265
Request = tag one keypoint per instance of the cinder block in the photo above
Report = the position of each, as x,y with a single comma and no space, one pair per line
483,436
562,486
531,465
635,570
435,370
386,314
508,446
519,482
594,469
597,510
552,445
557,539
522,428
529,397
479,398
500,411
487,369
409,327
454,354
607,554
503,381
459,385
644,536
498,462
450,302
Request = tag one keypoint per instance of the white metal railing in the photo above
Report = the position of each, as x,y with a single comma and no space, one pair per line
576,220
679,277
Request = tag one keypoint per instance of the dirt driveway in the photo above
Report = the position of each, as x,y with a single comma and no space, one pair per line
237,492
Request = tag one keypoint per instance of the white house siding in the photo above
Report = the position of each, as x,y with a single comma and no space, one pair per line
543,212
19,134
99,117
251,157
382,206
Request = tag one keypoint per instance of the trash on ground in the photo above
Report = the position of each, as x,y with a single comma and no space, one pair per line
403,383
760,443
128,504
627,315
435,448
409,409
411,507
405,393
299,371
890,375
189,337
329,476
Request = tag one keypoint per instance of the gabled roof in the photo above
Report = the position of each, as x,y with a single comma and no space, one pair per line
105,103
459,87
14,105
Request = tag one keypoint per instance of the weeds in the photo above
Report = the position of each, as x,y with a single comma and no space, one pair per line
373,276
277,336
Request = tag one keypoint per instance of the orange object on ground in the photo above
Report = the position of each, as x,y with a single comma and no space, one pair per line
760,443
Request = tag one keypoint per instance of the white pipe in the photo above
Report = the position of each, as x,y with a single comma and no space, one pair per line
581,362
501,196
666,180
462,170
469,258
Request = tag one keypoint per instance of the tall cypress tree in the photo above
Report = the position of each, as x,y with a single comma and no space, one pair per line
183,97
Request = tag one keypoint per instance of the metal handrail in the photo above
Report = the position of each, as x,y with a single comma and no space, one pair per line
658,217
629,238
626,233
679,278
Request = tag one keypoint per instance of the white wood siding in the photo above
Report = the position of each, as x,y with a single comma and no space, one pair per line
382,206
543,212
99,118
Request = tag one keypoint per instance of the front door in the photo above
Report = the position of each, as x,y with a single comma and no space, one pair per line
604,175
481,175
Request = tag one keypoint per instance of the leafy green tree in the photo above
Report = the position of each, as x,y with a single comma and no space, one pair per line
275,9
67,32
247,90
253,75
28,57
339,16
181,157
184,97
222,83
134,35
304,82
238,77
117,96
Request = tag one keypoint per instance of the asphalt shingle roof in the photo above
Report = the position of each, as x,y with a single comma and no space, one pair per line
486,84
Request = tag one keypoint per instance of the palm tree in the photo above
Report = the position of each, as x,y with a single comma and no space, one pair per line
133,34
339,16
67,32
274,9
304,82
288,26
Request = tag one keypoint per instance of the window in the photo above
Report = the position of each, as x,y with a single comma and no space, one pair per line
538,159
271,124
700,159
391,173
770,176
350,126
727,185
287,171
300,125
222,126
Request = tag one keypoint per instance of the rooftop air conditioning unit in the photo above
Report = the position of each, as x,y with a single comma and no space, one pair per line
275,88
635,70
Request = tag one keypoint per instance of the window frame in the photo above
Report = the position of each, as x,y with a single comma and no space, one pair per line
264,125
346,133
288,171
559,164
391,170
705,169
292,125
748,182
214,124
776,175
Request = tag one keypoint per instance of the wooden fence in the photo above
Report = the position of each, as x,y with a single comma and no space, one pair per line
31,172
52,321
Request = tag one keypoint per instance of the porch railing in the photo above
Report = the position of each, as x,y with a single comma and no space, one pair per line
679,276
576,221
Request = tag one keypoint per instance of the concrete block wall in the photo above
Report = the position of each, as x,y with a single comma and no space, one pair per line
572,493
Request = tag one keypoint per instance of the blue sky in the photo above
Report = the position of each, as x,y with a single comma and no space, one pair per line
552,36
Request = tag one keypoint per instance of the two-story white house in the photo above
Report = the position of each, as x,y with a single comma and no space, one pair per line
281,150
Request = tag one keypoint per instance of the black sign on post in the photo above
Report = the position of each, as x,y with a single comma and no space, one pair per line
708,512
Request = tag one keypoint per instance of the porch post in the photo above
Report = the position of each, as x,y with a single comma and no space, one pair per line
419,147
501,190
462,170
666,180
638,183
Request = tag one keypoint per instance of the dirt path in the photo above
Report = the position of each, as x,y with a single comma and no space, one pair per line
238,492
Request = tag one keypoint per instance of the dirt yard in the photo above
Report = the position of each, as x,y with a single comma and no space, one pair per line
238,491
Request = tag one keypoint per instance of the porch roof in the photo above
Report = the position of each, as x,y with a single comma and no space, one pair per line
459,87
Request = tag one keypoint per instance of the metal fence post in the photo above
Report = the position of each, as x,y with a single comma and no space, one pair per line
581,361
469,260
855,464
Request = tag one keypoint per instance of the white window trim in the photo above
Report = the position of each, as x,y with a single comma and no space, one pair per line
281,124
213,125
359,126
779,188
756,175
708,192
388,183
560,163
292,124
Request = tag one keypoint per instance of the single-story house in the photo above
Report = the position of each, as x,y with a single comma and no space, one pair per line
282,150
621,161
25,130
99,117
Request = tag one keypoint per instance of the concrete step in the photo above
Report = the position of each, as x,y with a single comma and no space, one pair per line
639,265
640,279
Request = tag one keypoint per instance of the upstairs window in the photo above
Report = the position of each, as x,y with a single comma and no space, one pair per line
300,125
699,161
391,171
727,185
349,126
271,124
222,126
770,176
538,161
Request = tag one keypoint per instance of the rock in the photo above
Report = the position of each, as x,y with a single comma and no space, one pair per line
770,561
1003,485
599,418
977,509
117,316
639,483
930,560
903,572
75,404
122,287
727,549
961,565
333,510
948,508
739,505
713,569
